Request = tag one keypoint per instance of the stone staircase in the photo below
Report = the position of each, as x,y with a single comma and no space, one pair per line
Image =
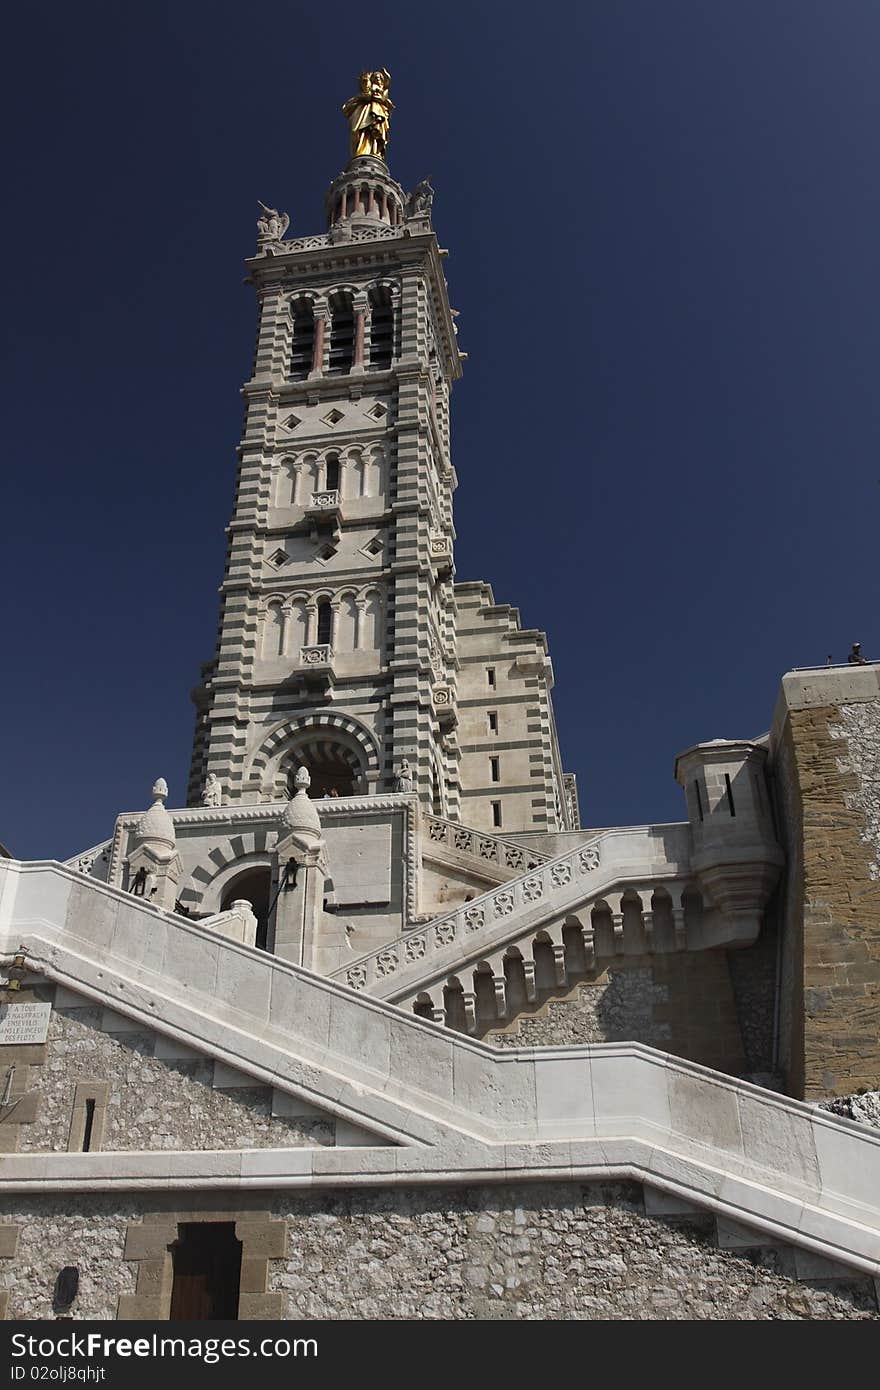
454,1110
619,891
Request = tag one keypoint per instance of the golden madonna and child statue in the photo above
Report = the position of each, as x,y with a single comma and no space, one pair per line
369,115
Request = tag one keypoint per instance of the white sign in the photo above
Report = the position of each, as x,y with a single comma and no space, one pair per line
24,1023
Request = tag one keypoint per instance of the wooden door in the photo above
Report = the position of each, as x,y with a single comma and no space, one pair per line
207,1272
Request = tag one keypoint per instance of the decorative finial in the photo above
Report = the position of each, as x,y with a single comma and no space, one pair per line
300,814
156,825
369,115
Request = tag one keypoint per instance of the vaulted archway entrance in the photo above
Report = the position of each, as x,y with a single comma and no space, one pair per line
334,761
254,886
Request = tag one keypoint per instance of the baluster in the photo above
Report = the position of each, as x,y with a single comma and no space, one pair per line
499,983
469,1000
645,896
589,940
559,964
675,892
615,903
531,986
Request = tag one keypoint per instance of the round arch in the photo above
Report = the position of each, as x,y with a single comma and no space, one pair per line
337,744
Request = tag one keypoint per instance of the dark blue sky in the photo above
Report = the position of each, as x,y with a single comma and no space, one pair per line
663,223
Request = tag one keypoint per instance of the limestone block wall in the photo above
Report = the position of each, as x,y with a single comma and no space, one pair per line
371,854
825,745
680,1003
535,1251
148,1092
505,712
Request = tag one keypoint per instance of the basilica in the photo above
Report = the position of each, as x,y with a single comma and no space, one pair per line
374,1026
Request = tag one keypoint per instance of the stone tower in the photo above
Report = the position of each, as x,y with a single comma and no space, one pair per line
337,644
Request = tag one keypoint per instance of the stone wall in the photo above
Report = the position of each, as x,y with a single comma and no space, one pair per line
859,726
790,816
85,1231
177,1100
682,1003
829,792
533,1251
753,976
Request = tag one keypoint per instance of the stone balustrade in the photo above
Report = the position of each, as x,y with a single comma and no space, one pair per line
615,865
450,1107
479,844
488,987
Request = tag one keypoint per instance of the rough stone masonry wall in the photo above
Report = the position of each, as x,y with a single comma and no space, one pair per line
532,1251
682,1003
151,1103
837,786
859,726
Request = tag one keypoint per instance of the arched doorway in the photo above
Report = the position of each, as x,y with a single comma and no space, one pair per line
255,886
334,763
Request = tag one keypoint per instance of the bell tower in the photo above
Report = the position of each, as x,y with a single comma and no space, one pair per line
336,644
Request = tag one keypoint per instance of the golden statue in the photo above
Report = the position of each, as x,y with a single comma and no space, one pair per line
369,114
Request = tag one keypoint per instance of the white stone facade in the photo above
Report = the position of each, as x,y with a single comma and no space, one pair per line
343,639
378,949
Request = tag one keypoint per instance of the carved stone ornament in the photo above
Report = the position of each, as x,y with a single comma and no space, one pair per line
325,501
403,782
387,962
272,225
356,977
589,859
504,904
444,933
420,200
316,656
212,794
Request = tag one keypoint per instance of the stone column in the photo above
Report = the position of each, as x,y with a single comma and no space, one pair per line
302,868
360,319
318,354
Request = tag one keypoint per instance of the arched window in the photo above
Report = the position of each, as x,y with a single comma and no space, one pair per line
381,328
341,333
303,340
332,473
325,623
